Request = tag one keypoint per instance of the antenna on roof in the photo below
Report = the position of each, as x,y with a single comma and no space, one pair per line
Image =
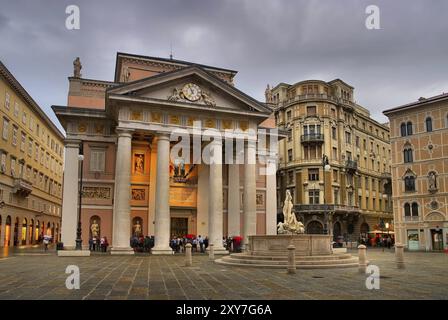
171,50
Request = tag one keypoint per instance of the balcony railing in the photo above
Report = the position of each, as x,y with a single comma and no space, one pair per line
411,218
351,165
316,96
325,208
22,187
312,137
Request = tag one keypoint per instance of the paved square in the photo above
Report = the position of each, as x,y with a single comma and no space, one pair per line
33,274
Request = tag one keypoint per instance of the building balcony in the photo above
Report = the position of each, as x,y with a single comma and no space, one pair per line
312,138
412,218
321,208
351,166
22,187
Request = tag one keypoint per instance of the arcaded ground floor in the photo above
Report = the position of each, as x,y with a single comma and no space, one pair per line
34,274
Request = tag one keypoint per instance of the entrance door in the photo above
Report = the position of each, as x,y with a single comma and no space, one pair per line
179,227
437,239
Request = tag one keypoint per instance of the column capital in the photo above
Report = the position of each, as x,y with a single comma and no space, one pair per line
72,143
162,135
124,132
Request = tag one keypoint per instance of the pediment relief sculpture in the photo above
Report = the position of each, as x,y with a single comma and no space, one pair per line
191,92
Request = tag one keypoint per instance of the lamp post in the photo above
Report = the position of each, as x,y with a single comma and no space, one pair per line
387,228
382,226
326,168
79,229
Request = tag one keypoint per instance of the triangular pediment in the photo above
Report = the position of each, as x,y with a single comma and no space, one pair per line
190,86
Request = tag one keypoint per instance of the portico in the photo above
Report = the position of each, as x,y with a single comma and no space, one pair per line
167,147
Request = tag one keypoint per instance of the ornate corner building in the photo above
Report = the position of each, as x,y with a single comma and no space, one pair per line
419,135
335,160
130,184
31,168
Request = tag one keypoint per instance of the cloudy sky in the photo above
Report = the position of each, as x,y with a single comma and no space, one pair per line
267,41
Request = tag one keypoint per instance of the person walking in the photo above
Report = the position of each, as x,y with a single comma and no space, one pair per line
46,242
201,244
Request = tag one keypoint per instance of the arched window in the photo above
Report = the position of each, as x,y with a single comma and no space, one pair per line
428,124
409,183
409,128
415,209
407,210
403,129
407,155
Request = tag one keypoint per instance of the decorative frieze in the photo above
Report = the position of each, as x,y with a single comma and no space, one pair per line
96,192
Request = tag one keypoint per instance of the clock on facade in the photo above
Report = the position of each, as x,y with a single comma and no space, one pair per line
191,92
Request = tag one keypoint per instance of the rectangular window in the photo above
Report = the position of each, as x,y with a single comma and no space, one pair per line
335,153
14,135
333,133
313,196
336,196
7,100
97,160
311,110
13,166
290,177
16,109
37,129
335,175
30,147
357,141
313,174
290,155
364,144
5,132
3,162
24,117
36,153
348,138
22,142
288,115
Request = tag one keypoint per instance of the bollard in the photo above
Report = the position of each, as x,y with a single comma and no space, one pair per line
188,258
399,255
362,257
246,248
211,252
291,259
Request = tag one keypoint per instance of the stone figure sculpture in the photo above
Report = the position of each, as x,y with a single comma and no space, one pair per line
432,181
137,228
95,228
290,224
77,66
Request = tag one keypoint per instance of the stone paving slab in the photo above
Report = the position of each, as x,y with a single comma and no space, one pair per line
42,277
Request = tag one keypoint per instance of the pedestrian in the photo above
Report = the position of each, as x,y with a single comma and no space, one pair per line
389,242
102,244
201,243
46,242
90,244
195,245
206,243
106,244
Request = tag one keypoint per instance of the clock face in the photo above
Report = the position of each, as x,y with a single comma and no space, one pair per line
192,92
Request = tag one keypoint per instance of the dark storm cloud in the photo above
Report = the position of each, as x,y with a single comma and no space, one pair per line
267,41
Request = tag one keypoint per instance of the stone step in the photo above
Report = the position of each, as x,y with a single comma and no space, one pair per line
280,266
285,258
284,262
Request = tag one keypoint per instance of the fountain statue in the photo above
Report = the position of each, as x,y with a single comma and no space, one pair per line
290,224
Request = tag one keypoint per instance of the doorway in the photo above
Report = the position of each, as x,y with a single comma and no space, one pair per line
437,239
179,227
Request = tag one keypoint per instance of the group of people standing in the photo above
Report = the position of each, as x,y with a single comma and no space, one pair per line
142,244
98,244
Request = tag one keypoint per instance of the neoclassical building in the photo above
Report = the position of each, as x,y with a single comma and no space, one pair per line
31,167
419,138
335,160
130,183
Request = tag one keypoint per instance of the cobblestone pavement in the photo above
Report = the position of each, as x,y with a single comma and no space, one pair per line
34,274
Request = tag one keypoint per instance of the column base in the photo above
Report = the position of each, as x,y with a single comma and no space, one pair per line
73,253
219,251
162,251
122,251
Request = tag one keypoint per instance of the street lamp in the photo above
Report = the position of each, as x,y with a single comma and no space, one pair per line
79,229
326,168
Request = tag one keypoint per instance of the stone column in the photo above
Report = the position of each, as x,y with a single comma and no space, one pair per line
271,197
122,208
399,255
162,209
215,199
249,192
362,257
70,195
234,204
3,231
291,259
